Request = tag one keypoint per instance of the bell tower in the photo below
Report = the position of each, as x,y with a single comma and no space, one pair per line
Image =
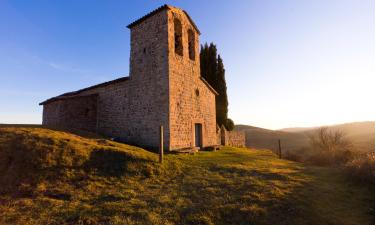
165,75
149,83
192,113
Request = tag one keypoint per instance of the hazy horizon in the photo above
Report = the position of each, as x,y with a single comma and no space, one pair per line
321,125
288,64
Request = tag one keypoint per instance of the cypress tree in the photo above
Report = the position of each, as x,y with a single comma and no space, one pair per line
204,61
212,70
208,60
222,98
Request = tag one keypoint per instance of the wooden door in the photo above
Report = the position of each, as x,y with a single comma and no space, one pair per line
198,135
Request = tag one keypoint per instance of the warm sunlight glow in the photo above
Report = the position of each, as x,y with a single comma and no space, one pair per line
288,64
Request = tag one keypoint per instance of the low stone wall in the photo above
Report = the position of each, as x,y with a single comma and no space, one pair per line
236,138
231,138
79,112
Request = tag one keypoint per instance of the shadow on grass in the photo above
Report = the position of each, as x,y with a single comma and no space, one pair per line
109,162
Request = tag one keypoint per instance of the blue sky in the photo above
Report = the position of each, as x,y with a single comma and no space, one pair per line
288,63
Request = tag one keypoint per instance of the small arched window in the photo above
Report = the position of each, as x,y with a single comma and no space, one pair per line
191,39
178,48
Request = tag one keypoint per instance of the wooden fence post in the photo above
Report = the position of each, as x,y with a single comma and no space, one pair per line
161,141
280,149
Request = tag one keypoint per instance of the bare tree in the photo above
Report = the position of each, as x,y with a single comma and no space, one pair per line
332,143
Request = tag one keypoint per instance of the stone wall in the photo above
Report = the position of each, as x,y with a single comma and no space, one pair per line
112,110
191,100
232,138
77,113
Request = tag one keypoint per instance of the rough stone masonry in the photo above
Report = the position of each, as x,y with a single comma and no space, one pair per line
164,88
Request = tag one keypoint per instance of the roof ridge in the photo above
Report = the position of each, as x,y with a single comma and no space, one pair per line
153,12
165,6
72,93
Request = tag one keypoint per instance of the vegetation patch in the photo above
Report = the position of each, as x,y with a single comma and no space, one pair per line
362,167
78,180
29,156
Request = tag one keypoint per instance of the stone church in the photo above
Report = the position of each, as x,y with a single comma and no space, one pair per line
164,88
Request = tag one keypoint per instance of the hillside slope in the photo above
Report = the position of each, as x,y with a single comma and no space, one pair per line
355,128
268,139
31,154
362,135
67,182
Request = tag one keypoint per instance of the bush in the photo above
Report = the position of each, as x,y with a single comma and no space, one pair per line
343,157
321,159
362,167
229,124
293,156
338,158
330,147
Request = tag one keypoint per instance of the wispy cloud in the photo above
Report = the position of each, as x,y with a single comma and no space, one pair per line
66,68
83,73
57,65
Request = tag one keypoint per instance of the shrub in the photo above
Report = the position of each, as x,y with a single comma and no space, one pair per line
229,124
338,158
321,159
362,167
330,147
343,157
293,156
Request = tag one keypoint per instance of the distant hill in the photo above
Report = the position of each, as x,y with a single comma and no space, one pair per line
298,129
268,139
297,139
355,128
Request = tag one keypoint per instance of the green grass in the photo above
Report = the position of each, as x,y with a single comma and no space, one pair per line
68,179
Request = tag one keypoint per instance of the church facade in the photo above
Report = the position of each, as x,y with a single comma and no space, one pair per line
164,88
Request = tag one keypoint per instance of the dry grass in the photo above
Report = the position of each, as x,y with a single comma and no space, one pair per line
30,155
362,167
67,179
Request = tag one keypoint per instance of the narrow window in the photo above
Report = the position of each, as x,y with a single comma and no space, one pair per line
178,48
191,39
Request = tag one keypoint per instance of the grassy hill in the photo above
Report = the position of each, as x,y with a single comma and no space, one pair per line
53,177
297,139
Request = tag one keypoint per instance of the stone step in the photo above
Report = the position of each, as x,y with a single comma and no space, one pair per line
192,150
